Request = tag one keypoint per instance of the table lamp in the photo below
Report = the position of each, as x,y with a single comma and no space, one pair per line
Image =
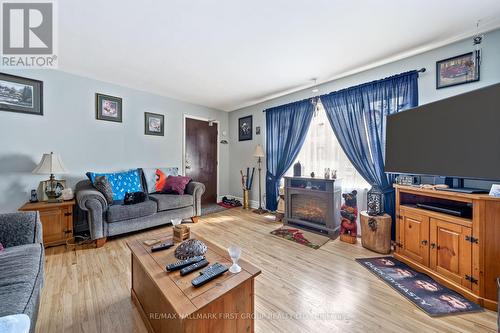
259,153
49,165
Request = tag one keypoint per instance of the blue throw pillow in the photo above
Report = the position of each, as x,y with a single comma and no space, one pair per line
121,182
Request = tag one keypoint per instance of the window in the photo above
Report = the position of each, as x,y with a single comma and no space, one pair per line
322,150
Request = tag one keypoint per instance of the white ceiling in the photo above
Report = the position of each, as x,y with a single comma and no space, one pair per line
228,54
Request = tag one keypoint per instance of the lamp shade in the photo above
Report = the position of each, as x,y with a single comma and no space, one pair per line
50,164
259,152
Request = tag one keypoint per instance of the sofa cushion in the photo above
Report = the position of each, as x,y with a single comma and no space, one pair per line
102,185
20,279
155,177
172,201
121,182
117,213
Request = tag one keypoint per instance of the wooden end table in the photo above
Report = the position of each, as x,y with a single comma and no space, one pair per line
169,303
57,220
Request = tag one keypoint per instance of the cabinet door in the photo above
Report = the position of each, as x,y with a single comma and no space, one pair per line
400,226
415,229
53,224
451,253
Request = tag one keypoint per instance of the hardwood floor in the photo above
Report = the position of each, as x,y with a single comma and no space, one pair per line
299,290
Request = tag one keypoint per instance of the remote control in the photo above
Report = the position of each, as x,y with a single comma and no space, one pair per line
162,246
184,263
211,267
209,274
193,267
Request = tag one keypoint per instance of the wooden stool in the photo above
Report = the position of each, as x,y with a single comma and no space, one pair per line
376,232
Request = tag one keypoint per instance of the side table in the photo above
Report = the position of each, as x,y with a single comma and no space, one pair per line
57,220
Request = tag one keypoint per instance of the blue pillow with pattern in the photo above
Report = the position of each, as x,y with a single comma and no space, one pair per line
121,182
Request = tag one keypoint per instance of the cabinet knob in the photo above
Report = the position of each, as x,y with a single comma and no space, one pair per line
424,242
433,245
67,214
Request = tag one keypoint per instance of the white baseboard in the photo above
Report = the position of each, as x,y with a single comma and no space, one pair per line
253,204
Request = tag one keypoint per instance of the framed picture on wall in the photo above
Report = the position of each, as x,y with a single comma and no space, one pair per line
154,124
245,129
108,108
457,70
21,94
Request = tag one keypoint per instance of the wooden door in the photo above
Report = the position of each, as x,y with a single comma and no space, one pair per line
450,252
415,229
53,225
201,156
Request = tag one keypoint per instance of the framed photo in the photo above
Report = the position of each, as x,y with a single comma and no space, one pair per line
257,130
108,108
245,128
21,94
154,124
457,70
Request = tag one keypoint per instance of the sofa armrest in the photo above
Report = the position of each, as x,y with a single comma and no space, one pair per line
94,203
196,190
20,228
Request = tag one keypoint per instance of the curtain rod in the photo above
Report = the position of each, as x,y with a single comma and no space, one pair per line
421,70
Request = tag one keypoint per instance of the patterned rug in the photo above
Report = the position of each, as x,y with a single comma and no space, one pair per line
303,237
430,296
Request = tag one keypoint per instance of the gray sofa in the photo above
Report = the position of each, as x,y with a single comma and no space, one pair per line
110,220
21,264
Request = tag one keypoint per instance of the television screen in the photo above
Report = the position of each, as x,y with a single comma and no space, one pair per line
454,137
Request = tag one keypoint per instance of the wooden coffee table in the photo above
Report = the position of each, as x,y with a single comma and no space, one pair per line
168,302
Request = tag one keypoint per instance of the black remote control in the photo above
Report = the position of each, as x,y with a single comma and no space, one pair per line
162,246
193,267
184,263
211,267
209,274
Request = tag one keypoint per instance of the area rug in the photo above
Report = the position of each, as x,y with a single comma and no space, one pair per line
213,208
430,296
303,237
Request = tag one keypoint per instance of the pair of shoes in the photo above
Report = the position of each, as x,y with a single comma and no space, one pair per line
231,202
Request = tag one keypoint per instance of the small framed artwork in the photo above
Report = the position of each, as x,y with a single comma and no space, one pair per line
154,124
245,128
257,130
108,108
21,94
457,70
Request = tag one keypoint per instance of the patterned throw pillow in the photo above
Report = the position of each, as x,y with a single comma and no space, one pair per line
176,184
103,186
156,177
121,182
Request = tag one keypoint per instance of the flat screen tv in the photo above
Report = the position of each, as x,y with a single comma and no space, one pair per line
454,137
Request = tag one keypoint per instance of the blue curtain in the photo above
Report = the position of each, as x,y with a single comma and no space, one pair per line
286,129
358,118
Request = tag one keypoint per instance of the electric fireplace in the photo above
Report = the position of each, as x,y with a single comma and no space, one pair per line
313,204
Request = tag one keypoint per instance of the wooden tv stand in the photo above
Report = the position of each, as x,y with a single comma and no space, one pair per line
459,252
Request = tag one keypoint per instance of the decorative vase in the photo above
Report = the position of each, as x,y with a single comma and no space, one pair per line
245,199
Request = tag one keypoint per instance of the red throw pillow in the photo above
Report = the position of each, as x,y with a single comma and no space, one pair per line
161,179
176,184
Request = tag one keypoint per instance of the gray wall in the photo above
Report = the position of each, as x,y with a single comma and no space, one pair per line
241,152
69,127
